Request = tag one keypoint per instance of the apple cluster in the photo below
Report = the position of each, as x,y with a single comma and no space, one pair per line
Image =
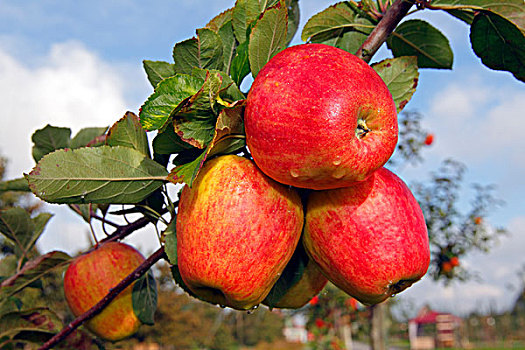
321,123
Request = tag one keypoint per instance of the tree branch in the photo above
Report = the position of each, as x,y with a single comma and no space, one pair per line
97,308
386,26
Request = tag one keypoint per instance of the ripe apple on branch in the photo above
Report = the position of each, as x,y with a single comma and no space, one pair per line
284,186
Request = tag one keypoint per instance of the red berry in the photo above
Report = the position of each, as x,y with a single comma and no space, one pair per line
477,220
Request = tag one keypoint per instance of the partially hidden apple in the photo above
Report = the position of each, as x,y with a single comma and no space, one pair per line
369,239
236,231
319,117
300,281
91,276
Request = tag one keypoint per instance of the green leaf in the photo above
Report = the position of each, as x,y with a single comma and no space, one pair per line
195,122
243,14
114,175
293,19
499,43
14,185
466,16
229,44
88,137
17,225
158,71
32,271
418,38
169,236
228,137
220,20
341,25
240,67
268,37
40,221
204,51
291,274
128,132
168,142
401,76
229,131
34,325
144,298
48,139
512,10
187,173
168,96
229,91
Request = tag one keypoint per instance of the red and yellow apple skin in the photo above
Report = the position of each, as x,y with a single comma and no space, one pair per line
319,117
370,239
91,276
236,231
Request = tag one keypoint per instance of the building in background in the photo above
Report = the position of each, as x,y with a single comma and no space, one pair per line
431,329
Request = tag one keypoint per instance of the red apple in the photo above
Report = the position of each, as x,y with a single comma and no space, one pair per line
454,261
446,267
319,117
91,276
369,239
299,283
236,231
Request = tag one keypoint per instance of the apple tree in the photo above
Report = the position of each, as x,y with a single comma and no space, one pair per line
196,113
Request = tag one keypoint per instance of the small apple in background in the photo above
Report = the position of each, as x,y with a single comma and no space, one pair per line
319,117
236,231
314,301
91,276
370,239
446,267
454,261
478,220
429,139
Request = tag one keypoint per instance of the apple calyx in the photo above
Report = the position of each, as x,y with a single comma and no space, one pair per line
401,285
362,130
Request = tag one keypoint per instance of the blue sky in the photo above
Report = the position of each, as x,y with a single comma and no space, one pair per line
79,64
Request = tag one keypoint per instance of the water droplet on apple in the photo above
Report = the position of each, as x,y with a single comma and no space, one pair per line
338,173
294,173
337,161
250,311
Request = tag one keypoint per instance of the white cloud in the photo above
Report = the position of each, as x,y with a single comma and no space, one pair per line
475,121
68,87
71,87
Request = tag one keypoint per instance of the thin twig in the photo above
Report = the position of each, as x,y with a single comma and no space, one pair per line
386,26
97,308
123,231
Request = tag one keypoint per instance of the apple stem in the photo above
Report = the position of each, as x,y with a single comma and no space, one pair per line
386,26
98,307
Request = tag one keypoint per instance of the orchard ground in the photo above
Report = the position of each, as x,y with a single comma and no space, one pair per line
80,65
